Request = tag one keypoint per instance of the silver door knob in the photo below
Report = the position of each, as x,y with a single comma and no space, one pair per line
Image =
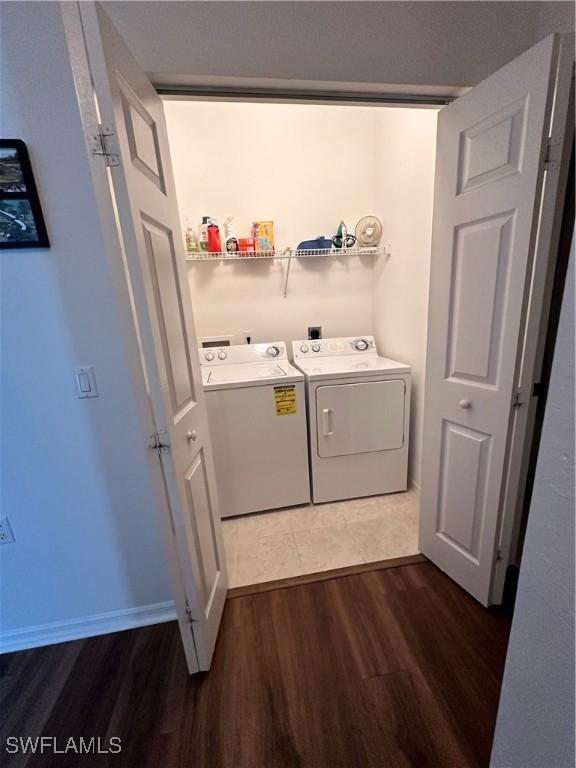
465,403
192,435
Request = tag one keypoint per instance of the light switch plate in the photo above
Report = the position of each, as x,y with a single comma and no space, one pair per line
85,381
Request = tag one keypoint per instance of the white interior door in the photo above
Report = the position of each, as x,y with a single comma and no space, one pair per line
489,169
144,196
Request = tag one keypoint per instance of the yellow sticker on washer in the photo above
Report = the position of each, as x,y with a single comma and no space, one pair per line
285,400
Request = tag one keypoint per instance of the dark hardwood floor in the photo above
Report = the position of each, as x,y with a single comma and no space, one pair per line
392,668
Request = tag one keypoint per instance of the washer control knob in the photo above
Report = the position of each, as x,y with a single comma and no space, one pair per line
209,356
315,347
361,345
273,351
304,348
222,355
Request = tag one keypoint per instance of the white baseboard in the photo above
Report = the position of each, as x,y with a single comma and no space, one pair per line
87,626
413,485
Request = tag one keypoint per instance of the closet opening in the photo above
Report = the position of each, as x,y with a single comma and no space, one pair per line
307,228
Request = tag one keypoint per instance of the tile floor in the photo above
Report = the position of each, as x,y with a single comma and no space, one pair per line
299,540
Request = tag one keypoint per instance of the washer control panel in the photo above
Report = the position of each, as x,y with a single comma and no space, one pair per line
352,345
243,353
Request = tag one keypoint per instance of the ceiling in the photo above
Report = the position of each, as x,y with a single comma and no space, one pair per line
438,46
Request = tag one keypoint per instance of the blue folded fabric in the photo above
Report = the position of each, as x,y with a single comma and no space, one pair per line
321,243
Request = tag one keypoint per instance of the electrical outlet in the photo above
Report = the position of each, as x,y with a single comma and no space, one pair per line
314,331
6,535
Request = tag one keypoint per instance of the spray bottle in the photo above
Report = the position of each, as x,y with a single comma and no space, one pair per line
230,237
214,242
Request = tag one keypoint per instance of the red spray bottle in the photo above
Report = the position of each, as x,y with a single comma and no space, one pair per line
214,242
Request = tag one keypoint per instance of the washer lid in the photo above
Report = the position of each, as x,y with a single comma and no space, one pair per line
350,366
249,374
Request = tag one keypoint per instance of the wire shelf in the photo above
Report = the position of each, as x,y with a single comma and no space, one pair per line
288,253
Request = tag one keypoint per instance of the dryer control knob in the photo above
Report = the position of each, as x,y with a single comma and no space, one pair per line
315,347
222,355
304,348
209,356
361,345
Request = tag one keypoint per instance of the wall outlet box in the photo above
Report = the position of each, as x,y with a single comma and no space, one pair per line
216,341
6,535
314,331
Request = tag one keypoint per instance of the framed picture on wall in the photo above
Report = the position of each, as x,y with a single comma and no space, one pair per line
21,221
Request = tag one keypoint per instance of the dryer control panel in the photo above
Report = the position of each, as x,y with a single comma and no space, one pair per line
348,345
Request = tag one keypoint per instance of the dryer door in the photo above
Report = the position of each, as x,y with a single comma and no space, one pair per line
360,418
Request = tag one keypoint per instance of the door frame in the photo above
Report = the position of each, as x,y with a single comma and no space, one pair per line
538,298
115,256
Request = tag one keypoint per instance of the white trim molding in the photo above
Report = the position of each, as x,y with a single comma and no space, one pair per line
87,626
413,485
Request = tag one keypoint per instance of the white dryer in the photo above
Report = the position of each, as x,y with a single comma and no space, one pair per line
257,416
358,417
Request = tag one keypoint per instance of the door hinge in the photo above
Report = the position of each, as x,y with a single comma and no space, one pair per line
189,614
499,554
103,145
157,441
521,396
553,154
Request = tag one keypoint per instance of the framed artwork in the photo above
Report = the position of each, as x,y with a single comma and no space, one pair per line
21,221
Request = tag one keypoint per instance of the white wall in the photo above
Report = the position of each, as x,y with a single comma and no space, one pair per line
303,166
535,725
306,167
74,478
406,158
416,43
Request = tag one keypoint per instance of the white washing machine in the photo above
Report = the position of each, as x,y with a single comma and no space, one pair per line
257,415
358,417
